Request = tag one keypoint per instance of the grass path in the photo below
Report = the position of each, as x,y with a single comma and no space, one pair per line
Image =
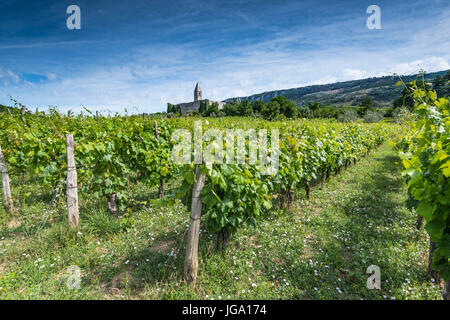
319,250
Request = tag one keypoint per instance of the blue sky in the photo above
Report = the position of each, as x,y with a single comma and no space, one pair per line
140,55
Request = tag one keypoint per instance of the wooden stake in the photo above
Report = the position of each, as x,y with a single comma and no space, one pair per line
161,189
191,260
446,294
22,113
72,191
5,183
419,222
161,181
433,273
112,203
156,130
324,176
291,198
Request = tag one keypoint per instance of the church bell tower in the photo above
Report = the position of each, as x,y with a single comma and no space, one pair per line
197,93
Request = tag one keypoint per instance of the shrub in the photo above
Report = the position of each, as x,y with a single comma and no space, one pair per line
305,112
389,113
327,112
349,115
373,116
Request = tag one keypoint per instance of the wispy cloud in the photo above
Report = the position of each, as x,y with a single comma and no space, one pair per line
7,77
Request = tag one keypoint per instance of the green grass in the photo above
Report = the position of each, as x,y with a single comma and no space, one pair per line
320,249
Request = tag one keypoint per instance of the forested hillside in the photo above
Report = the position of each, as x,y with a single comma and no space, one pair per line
382,90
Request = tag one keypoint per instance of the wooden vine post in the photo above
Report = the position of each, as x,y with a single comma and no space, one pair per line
161,181
22,113
430,270
112,203
72,191
446,294
5,183
307,190
191,260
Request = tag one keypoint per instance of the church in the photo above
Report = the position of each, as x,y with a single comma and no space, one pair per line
187,107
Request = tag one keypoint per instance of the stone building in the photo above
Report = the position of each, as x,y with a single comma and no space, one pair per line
187,107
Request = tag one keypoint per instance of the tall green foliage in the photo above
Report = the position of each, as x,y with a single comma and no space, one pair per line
240,194
426,158
107,150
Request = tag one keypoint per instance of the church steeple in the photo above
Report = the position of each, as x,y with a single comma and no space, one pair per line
197,93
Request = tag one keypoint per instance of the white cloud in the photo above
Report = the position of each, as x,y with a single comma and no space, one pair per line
7,77
51,76
354,74
324,80
431,64
357,74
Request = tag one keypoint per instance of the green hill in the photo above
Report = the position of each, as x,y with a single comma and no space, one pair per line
382,90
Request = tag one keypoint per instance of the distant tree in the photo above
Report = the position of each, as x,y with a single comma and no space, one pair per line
245,109
314,106
288,108
212,111
327,112
231,109
257,106
365,106
171,108
441,84
447,80
305,112
271,110
203,107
